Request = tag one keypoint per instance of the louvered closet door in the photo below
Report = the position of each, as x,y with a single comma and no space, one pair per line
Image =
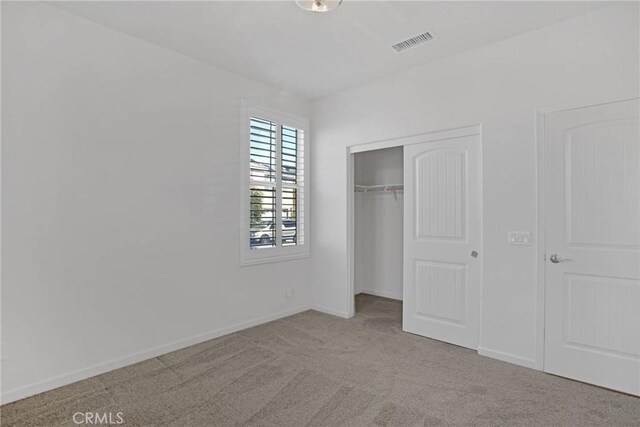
592,325
441,230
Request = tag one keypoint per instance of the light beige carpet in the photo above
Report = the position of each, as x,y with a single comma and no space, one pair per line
318,370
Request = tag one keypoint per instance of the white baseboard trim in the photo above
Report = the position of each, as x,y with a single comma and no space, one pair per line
384,294
507,357
101,368
330,311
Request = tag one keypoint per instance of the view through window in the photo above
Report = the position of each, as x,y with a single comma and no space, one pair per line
276,185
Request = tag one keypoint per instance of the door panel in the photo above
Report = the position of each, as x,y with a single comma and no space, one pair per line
441,291
441,229
592,324
602,314
602,168
440,209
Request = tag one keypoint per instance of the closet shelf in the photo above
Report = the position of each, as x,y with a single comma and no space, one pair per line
387,188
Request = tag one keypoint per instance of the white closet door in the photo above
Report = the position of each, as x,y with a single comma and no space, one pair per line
592,325
441,240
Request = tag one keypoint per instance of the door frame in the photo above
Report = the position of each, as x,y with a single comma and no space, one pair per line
541,199
351,150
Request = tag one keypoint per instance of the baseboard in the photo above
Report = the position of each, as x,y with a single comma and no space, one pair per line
92,371
384,294
507,357
330,311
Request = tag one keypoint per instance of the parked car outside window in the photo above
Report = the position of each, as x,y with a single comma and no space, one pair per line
265,234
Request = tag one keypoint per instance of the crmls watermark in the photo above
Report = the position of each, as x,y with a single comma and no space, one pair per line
98,418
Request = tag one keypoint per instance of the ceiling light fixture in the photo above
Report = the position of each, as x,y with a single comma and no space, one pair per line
318,5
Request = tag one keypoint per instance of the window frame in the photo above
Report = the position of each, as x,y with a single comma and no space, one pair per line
278,253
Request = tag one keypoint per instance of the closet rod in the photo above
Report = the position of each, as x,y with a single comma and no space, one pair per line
388,188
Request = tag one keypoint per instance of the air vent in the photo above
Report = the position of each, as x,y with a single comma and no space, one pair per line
413,41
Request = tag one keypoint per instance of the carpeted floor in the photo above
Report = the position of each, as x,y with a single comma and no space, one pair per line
318,370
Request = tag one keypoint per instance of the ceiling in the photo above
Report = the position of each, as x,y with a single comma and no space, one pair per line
316,54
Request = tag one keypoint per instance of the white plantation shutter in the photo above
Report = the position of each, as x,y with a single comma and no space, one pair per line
274,193
263,182
292,154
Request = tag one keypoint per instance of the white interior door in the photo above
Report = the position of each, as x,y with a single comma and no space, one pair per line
442,240
592,320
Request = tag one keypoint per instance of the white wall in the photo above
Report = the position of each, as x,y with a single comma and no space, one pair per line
378,224
500,86
120,201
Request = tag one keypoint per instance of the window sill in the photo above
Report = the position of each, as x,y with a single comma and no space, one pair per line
251,259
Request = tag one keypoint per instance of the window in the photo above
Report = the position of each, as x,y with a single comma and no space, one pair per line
274,207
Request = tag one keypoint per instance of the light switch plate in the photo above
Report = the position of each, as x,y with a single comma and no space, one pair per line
520,238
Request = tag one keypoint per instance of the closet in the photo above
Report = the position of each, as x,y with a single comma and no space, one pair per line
416,231
378,216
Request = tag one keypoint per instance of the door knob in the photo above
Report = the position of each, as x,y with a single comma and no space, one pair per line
555,258
474,254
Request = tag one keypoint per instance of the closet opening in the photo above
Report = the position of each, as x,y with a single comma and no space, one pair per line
378,237
415,237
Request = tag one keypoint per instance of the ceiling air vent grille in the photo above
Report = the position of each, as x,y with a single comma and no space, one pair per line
413,41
